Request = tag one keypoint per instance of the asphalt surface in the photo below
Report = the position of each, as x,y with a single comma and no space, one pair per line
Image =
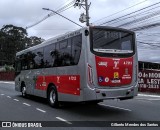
13,107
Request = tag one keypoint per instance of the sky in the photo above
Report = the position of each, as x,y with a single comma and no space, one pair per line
24,13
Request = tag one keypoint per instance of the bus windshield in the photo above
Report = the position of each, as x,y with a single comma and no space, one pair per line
111,41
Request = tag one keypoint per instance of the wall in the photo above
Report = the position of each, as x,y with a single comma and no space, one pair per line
7,76
149,81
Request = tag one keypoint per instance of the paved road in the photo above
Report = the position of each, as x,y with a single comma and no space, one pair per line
13,107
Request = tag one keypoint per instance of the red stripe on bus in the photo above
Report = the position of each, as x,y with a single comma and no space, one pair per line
68,84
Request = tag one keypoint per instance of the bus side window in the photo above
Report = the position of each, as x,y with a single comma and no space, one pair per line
76,49
24,61
57,56
65,53
30,60
49,55
38,58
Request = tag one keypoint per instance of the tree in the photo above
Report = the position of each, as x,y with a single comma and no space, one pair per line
16,36
3,48
12,40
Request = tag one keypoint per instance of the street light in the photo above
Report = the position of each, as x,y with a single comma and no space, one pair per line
61,16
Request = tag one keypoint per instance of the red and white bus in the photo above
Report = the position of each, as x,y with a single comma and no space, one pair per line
90,64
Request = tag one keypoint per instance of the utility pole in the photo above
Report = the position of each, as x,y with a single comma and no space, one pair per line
87,12
83,17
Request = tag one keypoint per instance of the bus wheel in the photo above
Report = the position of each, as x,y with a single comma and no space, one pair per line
53,97
24,91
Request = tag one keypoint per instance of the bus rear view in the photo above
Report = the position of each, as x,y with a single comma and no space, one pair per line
112,64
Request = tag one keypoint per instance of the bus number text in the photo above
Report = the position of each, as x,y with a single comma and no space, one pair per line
72,78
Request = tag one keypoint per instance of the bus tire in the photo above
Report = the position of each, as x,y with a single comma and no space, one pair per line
52,97
24,94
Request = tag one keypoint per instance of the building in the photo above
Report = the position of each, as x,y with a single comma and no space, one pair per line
148,66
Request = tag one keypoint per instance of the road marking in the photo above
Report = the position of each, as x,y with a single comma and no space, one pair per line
154,99
115,107
16,100
8,96
143,100
7,82
150,99
26,104
146,95
61,119
2,94
40,110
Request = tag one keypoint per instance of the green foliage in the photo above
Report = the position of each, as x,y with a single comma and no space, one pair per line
12,40
7,68
15,37
12,68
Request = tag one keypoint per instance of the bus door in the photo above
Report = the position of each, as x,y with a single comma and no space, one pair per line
26,73
29,82
34,82
35,65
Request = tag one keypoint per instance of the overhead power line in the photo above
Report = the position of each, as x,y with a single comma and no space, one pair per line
120,11
145,12
141,19
130,13
62,16
145,27
150,44
62,9
64,4
148,33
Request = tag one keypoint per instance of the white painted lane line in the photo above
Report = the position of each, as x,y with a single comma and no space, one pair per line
143,100
2,94
26,104
7,82
116,107
16,100
147,95
149,99
61,119
8,96
154,99
40,110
